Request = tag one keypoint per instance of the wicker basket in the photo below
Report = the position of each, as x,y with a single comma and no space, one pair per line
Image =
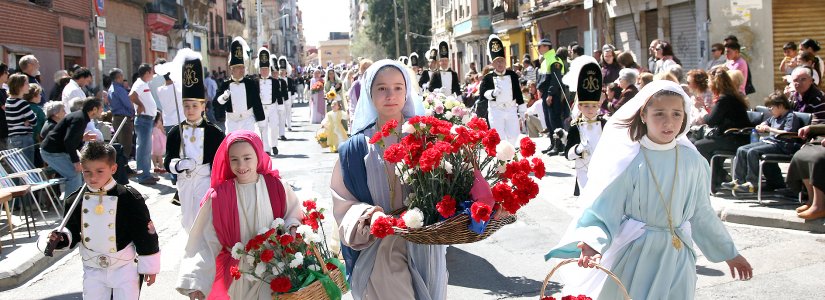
597,266
315,291
454,230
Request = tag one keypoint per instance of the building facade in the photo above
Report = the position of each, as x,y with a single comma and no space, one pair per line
334,52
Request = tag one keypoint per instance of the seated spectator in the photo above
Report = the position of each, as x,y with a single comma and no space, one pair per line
697,81
806,97
788,63
626,89
644,79
781,121
807,170
717,52
736,77
729,112
628,61
666,76
804,59
54,113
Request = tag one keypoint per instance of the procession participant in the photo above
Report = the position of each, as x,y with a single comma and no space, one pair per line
355,90
191,144
445,79
428,73
239,95
647,205
113,226
246,194
289,98
501,87
415,66
317,100
364,187
270,96
586,128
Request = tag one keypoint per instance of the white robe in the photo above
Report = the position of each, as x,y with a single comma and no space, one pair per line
197,269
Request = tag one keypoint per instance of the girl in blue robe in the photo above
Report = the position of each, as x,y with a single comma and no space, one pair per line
648,204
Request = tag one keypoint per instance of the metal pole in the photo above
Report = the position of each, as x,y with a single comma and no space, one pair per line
53,243
395,21
407,27
259,15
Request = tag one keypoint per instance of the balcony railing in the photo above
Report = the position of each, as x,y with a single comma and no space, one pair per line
508,10
235,11
166,7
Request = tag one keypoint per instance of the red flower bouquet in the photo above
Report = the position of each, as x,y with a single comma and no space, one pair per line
294,266
449,169
317,87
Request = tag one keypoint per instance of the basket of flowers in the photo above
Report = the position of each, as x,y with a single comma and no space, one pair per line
298,266
579,297
321,138
448,108
449,169
317,87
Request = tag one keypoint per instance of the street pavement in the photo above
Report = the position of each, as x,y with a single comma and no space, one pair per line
788,264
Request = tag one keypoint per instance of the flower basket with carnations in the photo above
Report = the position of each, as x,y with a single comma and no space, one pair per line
449,169
579,297
298,266
321,137
447,108
317,87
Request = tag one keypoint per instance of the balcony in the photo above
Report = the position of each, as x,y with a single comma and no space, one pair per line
508,10
235,11
161,15
167,7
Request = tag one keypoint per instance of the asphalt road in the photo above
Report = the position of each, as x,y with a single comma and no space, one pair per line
509,265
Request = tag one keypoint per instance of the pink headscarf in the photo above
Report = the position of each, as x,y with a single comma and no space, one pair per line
221,170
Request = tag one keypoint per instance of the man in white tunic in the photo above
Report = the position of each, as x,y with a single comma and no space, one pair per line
502,89
446,80
269,87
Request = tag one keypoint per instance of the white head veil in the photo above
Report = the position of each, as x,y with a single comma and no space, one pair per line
365,112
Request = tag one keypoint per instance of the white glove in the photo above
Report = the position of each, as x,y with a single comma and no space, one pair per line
262,124
224,97
521,108
185,165
496,92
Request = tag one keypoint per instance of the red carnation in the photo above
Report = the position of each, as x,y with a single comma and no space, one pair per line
255,242
491,141
267,255
331,266
502,192
235,272
527,147
376,137
286,239
477,124
395,153
309,205
269,233
430,159
399,222
280,285
446,207
382,227
538,167
480,212
310,221
388,127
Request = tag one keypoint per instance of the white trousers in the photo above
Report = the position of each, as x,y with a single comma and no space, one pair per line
506,123
581,177
284,111
113,283
288,111
192,186
240,121
269,135
300,93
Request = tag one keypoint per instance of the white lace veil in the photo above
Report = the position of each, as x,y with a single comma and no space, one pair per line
365,112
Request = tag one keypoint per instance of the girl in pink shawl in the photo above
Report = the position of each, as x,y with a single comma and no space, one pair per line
246,196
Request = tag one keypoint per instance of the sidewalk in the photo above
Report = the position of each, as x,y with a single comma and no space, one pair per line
23,261
557,187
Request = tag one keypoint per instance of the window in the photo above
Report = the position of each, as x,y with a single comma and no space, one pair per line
220,37
196,43
482,6
73,36
211,36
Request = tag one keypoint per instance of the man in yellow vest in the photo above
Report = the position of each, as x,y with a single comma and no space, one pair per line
555,106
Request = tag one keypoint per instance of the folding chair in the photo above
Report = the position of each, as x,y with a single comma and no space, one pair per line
756,118
779,158
34,177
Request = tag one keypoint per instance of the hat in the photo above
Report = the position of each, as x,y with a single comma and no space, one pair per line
443,50
264,60
193,88
589,86
283,64
238,52
628,74
414,59
404,60
495,48
546,42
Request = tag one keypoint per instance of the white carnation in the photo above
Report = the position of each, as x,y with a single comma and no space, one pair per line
448,167
466,119
414,218
250,260
237,250
501,169
448,115
278,222
304,230
260,269
428,112
453,130
505,151
449,104
407,128
314,267
297,261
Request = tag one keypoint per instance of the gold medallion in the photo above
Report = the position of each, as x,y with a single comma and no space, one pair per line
677,243
99,209
192,139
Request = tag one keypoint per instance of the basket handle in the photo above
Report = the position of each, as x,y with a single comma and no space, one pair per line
597,266
319,258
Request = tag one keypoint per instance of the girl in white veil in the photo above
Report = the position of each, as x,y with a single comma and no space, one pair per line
646,203
364,187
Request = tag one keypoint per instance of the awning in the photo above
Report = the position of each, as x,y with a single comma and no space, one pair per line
546,9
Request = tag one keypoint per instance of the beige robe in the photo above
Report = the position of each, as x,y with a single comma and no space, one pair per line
197,269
